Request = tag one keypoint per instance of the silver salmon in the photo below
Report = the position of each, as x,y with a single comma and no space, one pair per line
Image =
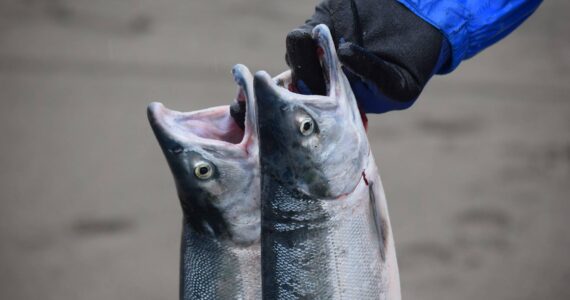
325,228
216,170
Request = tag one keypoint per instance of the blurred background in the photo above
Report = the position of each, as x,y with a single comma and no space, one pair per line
477,173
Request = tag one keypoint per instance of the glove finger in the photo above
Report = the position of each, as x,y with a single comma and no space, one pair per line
237,111
303,60
394,81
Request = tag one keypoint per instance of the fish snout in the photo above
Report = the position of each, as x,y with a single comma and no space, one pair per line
268,99
157,113
162,121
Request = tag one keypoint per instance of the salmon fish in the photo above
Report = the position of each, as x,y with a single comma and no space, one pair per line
216,171
325,230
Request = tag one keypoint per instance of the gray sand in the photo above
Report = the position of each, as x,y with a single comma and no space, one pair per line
477,173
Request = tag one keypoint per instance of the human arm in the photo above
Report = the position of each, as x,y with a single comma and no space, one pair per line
391,49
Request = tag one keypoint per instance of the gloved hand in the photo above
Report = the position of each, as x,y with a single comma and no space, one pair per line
387,51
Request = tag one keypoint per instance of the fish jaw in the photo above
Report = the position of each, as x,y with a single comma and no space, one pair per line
244,80
224,203
327,162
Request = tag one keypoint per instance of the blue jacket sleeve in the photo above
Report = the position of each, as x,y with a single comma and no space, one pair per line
471,25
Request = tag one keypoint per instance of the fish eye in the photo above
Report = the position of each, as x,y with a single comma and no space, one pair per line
203,170
307,126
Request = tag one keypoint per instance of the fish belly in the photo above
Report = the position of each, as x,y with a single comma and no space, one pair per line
361,241
328,248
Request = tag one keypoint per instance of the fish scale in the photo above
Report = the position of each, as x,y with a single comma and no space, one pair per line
296,265
218,268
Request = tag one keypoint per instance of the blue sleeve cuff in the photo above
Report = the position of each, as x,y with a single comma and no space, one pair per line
471,25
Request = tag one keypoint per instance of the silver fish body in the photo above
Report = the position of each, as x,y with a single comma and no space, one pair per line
215,166
211,268
325,227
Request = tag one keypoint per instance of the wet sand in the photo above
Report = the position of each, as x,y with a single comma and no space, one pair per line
477,173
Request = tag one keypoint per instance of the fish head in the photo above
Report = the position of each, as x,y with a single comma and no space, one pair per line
215,164
314,144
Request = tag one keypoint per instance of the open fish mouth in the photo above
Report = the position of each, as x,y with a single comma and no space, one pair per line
314,144
283,83
213,127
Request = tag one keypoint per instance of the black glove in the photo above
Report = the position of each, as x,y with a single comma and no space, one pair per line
381,41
